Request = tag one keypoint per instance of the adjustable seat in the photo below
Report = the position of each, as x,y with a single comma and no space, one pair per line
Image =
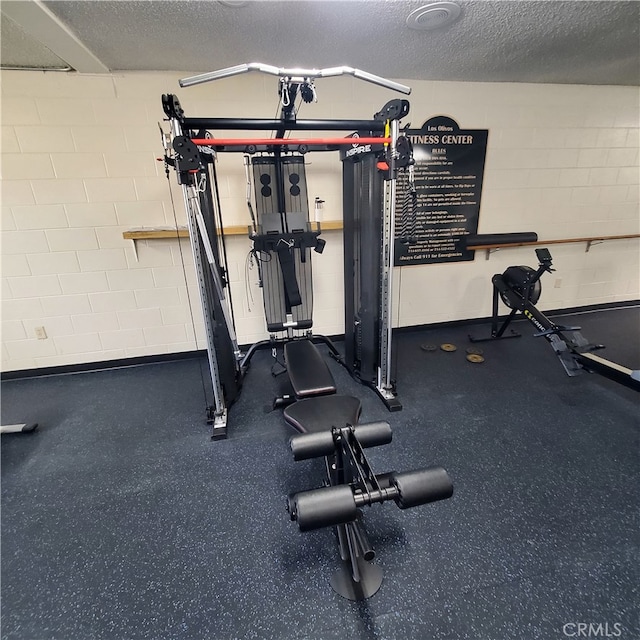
308,372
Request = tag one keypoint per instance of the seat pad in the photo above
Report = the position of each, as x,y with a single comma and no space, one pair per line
308,372
322,413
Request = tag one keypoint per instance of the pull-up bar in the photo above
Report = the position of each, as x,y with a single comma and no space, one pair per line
295,74
224,142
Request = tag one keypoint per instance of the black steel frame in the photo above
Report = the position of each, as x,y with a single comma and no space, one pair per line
372,231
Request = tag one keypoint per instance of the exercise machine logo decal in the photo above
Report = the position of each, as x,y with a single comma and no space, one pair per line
357,148
210,151
533,319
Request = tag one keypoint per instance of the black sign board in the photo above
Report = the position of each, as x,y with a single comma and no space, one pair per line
449,167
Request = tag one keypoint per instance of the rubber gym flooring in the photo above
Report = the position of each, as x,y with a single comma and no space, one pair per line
121,519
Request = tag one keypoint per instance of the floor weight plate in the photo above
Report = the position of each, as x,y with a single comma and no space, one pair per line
475,358
447,346
428,347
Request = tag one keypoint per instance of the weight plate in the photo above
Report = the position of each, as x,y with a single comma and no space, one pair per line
476,350
475,357
428,347
448,347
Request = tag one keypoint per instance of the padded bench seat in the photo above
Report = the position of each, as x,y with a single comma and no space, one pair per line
322,413
308,372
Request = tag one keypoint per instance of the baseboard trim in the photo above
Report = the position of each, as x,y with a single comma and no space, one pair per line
604,306
103,365
85,367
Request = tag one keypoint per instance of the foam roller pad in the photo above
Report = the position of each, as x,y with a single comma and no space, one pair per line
422,486
373,434
314,445
324,507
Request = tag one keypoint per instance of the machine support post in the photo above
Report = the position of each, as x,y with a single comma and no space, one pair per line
499,332
220,409
215,274
494,314
384,384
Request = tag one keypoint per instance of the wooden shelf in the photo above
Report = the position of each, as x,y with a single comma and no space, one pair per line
159,233
562,241
155,234
489,248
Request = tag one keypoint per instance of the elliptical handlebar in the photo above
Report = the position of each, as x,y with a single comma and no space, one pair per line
294,73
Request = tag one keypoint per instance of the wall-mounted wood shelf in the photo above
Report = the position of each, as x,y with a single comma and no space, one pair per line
158,233
490,248
167,233
155,233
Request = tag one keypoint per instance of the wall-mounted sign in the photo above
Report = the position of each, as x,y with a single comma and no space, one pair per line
449,167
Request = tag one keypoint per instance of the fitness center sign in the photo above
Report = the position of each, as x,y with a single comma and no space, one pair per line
448,172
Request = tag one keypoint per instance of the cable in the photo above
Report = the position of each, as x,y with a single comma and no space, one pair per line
248,266
408,214
186,285
222,241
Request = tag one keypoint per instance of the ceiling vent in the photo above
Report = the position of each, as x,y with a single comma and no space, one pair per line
434,16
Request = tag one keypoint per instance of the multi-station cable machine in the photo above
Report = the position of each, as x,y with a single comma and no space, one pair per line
283,237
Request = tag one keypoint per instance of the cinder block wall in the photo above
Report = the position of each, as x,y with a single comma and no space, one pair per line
79,168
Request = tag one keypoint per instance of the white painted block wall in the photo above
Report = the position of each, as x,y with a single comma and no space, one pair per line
79,168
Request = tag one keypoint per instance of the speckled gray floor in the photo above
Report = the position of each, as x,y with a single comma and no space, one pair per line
121,519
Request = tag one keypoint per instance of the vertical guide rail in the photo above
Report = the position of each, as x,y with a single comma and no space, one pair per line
215,275
190,196
384,382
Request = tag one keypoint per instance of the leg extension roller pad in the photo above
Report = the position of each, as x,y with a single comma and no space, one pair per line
338,504
321,443
421,487
324,507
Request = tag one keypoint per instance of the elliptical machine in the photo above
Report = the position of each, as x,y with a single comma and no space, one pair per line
519,288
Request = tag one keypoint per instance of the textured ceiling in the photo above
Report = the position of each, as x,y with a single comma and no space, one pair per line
552,41
21,49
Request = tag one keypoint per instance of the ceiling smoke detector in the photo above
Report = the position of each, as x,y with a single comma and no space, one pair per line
433,16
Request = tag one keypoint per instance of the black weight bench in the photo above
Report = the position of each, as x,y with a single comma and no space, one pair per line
308,372
328,427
